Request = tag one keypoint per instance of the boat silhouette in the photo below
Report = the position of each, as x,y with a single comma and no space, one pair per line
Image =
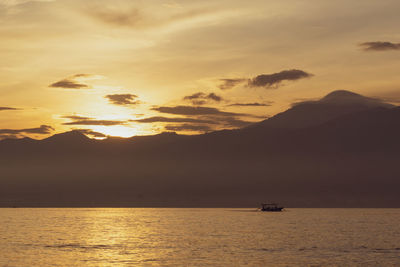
270,207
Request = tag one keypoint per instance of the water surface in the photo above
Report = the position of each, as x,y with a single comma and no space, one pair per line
197,237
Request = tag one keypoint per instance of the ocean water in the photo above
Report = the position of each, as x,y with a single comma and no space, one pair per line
199,237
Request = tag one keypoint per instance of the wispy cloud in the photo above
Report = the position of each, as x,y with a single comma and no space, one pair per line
198,119
201,98
76,81
75,117
91,133
229,122
95,122
131,17
8,108
190,110
123,99
230,83
43,129
254,104
380,46
188,128
265,80
137,17
167,119
275,79
80,120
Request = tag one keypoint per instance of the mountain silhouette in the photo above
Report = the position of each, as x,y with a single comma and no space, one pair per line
339,151
68,137
308,113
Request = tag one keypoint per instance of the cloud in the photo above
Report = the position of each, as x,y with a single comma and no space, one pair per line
198,119
43,129
167,119
75,117
123,99
232,122
19,2
9,136
203,98
91,133
230,83
140,18
8,108
80,120
216,122
255,104
380,46
265,80
95,122
127,17
188,128
194,111
74,82
271,80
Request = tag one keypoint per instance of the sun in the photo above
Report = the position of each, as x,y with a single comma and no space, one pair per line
117,130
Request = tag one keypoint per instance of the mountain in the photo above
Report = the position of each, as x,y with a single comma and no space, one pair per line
339,151
308,113
70,138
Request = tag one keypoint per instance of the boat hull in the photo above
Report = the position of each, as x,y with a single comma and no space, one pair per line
272,209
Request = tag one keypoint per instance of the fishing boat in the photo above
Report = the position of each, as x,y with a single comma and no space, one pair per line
271,207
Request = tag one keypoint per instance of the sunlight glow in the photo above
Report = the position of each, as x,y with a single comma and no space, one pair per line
117,130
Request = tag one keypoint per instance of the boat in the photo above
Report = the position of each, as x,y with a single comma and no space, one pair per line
271,207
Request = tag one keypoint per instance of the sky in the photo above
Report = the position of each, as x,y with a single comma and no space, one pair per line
125,68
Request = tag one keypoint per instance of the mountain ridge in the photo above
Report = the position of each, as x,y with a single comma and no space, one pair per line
344,158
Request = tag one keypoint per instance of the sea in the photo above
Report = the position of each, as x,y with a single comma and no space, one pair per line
199,237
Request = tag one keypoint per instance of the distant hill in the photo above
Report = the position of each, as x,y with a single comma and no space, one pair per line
335,104
339,151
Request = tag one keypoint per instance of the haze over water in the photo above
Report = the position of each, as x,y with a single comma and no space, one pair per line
196,237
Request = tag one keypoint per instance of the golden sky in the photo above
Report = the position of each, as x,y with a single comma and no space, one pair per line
126,68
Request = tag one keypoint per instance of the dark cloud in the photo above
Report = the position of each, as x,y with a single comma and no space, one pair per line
91,133
255,104
214,97
194,111
266,80
72,82
9,136
227,121
95,122
188,128
75,117
166,119
195,96
230,83
273,80
69,84
215,122
82,75
81,120
202,120
203,98
43,129
380,46
8,108
123,99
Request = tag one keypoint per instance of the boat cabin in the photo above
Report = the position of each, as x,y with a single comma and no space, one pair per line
271,207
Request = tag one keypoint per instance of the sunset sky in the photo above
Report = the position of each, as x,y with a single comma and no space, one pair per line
125,68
